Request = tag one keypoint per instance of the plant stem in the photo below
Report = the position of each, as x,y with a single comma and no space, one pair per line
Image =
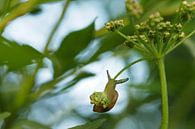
165,110
55,28
18,11
175,46
49,41
129,65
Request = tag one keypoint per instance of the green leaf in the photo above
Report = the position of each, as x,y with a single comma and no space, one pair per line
47,1
108,43
4,115
179,75
71,46
16,56
29,124
6,5
91,125
2,3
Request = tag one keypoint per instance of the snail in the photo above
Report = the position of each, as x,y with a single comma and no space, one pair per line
105,101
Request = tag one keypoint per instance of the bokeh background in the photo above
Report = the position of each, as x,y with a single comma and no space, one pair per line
66,104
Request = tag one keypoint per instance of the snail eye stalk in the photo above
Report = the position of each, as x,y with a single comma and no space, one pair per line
122,80
109,78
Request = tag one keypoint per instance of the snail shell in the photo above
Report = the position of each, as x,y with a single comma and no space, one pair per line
113,98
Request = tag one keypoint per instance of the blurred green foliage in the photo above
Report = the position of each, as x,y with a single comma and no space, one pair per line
23,54
70,47
20,65
91,125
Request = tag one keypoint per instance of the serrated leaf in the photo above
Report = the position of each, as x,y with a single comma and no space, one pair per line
4,115
90,125
16,56
70,47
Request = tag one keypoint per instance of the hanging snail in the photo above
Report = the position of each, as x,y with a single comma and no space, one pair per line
105,101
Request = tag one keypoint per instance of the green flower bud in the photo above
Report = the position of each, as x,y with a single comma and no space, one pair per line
184,3
137,27
133,38
133,8
114,25
182,35
186,10
166,34
155,17
168,25
178,27
143,37
160,26
128,44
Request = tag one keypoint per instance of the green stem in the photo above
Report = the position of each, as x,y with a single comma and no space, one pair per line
175,46
49,85
55,28
125,37
52,34
129,65
141,48
18,11
49,41
165,110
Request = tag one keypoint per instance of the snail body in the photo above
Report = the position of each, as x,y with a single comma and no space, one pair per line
105,101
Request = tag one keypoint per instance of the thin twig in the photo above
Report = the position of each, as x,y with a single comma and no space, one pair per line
55,28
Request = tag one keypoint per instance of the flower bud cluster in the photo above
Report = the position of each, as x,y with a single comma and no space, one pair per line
155,37
155,29
186,10
133,8
114,25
